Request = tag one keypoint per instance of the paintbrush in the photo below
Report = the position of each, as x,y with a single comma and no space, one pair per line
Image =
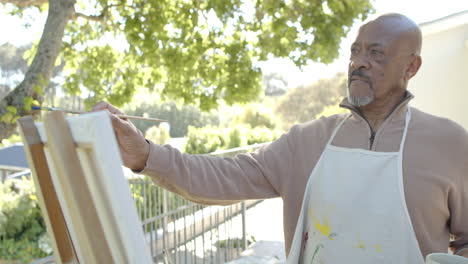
80,112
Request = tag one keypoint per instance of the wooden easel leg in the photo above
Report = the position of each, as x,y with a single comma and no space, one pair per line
52,212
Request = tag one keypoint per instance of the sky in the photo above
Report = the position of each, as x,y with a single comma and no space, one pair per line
13,30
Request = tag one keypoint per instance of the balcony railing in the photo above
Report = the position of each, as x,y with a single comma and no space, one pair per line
179,231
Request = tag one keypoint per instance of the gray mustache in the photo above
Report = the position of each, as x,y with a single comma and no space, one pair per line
358,73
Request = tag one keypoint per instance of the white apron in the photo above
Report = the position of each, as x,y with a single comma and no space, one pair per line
354,210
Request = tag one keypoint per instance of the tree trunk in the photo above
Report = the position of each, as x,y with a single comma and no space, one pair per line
40,71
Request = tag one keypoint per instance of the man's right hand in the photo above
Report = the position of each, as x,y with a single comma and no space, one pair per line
134,149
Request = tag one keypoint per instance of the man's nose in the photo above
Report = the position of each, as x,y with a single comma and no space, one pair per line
359,61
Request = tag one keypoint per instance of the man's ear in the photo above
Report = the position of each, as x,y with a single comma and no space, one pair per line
413,67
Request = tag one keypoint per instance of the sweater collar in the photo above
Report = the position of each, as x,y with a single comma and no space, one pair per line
399,113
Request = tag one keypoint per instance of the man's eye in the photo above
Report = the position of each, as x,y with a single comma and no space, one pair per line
354,50
377,55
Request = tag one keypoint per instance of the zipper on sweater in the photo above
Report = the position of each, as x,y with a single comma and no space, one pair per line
373,133
371,139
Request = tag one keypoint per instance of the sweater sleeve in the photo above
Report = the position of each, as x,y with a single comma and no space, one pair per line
222,180
458,199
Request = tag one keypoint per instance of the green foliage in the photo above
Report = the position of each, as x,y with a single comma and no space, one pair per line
105,72
210,139
28,102
22,228
140,190
10,116
39,90
149,200
250,124
262,134
199,52
15,138
158,134
235,242
302,104
179,117
28,55
11,109
257,115
205,140
236,136
20,251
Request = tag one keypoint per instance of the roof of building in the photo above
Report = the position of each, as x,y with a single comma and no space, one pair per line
444,23
13,157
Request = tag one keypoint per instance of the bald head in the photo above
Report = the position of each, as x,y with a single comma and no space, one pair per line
384,57
401,28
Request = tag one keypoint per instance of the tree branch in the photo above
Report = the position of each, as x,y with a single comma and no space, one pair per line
24,3
98,18
40,71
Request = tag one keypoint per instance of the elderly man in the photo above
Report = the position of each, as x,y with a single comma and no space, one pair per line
385,183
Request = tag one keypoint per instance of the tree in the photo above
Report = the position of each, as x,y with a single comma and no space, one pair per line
14,65
196,51
304,103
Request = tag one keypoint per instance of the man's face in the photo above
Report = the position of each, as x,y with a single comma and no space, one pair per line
376,66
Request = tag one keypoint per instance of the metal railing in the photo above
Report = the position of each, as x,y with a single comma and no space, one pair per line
179,231
18,175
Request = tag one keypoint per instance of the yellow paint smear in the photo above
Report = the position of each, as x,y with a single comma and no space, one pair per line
377,247
325,229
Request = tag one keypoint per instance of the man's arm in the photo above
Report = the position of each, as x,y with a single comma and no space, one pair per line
200,178
217,180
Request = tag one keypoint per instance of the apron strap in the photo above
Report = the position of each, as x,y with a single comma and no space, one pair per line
405,131
337,128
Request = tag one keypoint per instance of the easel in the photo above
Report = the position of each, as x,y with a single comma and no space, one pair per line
84,196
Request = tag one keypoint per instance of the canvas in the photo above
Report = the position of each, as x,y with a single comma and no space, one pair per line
87,203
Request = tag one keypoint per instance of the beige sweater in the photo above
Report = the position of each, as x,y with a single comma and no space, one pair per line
435,171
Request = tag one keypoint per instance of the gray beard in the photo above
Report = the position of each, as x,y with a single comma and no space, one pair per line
360,101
